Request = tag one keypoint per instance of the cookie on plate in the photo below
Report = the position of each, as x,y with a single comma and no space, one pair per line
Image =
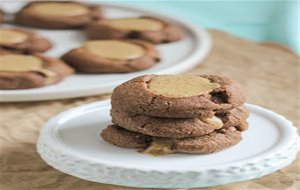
57,14
23,41
213,142
112,56
145,28
178,96
19,71
180,128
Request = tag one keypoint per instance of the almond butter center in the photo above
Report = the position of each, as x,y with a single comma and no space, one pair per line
8,36
59,9
138,24
181,86
114,49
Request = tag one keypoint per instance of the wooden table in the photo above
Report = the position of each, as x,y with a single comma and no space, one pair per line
269,73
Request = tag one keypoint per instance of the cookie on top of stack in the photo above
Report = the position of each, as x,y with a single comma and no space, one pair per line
163,114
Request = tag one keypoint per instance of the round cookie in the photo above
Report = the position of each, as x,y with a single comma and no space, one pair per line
178,128
57,14
145,28
19,71
23,41
213,142
180,96
112,56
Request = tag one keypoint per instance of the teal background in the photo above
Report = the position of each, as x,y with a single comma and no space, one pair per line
272,20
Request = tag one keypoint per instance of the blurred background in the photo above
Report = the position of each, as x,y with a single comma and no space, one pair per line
258,20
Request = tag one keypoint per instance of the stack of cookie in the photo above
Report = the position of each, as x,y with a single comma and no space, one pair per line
162,114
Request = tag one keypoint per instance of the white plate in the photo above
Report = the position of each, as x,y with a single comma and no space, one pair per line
177,57
70,142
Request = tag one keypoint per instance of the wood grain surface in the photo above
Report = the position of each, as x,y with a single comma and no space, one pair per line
269,73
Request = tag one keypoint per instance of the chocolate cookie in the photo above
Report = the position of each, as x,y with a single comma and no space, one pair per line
19,71
178,96
146,28
57,14
178,128
112,56
206,144
23,41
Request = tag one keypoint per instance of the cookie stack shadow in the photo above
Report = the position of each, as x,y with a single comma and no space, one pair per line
163,114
